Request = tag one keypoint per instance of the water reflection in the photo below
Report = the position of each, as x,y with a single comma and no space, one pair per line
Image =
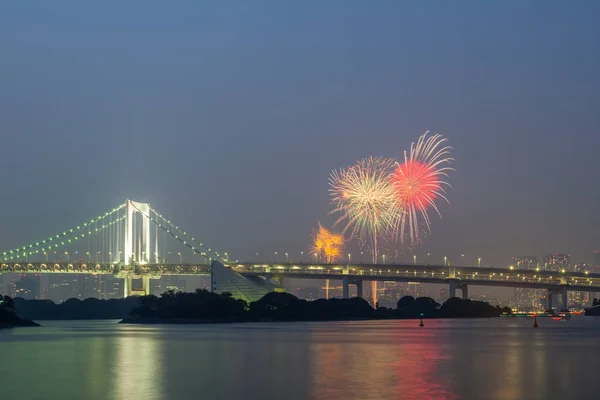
476,359
391,360
418,360
137,367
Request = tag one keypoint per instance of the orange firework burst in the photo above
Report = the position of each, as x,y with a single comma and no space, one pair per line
327,245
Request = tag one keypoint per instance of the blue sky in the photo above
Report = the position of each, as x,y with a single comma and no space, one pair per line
228,116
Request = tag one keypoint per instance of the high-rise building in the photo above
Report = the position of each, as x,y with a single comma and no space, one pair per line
558,262
62,287
28,287
581,299
527,299
526,262
112,288
167,282
444,293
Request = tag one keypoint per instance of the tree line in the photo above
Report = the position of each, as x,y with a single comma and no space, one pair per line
212,307
280,306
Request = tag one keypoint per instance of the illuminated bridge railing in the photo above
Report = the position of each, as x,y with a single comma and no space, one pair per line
105,268
432,274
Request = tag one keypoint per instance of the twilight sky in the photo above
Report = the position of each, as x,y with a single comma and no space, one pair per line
229,115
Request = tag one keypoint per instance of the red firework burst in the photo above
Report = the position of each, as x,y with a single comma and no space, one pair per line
417,185
418,182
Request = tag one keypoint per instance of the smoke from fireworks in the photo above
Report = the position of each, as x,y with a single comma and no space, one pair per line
418,182
364,196
327,245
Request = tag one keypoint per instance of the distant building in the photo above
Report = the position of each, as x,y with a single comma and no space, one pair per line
89,286
444,293
167,282
62,287
28,287
581,299
581,267
311,293
112,288
596,262
558,262
526,263
527,299
390,293
491,299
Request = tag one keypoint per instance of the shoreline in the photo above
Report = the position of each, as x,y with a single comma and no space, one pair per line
21,323
193,321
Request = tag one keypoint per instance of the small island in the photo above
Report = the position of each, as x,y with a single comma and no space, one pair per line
203,306
8,317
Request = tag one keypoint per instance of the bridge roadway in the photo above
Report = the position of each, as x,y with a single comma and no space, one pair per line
555,282
457,277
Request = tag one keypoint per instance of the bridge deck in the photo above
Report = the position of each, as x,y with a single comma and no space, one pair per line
581,281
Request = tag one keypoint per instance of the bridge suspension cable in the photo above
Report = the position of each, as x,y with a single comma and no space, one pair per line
196,246
101,228
53,241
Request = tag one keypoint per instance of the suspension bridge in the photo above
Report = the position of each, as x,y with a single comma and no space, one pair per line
129,243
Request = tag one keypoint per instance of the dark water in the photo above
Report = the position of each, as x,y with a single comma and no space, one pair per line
477,359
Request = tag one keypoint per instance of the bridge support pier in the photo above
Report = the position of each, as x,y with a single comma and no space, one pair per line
465,291
128,289
127,286
452,289
563,292
146,285
564,297
345,286
359,289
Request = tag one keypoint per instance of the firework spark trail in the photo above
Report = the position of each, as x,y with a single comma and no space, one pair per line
418,182
364,196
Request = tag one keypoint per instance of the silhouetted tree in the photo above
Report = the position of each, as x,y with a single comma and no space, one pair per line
459,308
7,304
406,301
426,304
277,305
8,316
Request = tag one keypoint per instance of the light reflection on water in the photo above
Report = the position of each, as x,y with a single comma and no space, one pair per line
477,359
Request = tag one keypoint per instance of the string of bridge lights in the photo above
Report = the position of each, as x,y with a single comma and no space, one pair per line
69,241
19,251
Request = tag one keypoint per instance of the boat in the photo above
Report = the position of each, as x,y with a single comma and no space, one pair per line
564,314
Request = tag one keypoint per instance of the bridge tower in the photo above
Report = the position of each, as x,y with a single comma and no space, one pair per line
137,246
137,252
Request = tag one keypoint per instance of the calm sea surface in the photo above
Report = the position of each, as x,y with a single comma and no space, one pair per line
475,359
